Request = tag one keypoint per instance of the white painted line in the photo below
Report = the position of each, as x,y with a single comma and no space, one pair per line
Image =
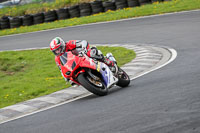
133,68
148,54
140,63
141,66
148,62
143,51
145,60
148,57
137,49
132,46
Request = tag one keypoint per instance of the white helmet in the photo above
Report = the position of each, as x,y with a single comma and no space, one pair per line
57,46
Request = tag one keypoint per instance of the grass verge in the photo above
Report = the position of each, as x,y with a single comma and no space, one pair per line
151,9
32,73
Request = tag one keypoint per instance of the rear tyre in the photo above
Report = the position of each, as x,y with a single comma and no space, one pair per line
86,81
123,77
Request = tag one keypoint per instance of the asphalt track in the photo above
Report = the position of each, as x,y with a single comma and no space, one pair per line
164,101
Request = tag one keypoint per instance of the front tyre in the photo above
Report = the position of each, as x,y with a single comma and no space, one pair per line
96,87
123,77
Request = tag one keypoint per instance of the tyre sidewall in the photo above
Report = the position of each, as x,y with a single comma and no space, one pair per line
89,86
123,82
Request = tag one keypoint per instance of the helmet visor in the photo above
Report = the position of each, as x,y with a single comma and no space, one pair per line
57,51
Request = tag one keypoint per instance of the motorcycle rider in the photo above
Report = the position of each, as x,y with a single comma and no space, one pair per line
59,47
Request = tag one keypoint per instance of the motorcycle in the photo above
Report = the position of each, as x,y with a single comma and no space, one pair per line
93,75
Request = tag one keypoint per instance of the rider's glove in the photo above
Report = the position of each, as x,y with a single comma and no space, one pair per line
81,54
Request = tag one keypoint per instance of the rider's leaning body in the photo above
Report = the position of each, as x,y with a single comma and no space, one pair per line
59,47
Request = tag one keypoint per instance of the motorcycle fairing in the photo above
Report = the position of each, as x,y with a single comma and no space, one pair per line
68,61
108,77
88,63
71,62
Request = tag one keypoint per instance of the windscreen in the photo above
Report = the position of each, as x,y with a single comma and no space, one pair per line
63,58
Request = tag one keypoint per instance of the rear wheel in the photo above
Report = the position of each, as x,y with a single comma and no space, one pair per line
123,77
97,87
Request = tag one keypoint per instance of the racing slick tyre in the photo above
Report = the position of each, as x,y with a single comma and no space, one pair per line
123,78
97,88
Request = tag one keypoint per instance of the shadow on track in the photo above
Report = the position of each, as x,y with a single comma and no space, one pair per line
113,91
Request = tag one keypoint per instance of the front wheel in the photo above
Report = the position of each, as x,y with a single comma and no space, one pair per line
97,87
123,77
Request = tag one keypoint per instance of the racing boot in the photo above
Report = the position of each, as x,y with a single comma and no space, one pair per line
71,82
111,62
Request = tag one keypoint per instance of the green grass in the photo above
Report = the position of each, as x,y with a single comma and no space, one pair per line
150,9
28,74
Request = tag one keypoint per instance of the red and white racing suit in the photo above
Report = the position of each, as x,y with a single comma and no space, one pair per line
77,46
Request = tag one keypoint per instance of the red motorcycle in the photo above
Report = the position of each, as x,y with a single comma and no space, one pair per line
93,75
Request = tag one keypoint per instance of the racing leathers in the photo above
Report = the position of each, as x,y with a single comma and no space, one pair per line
78,46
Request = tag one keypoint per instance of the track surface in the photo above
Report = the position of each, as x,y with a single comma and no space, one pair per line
167,100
